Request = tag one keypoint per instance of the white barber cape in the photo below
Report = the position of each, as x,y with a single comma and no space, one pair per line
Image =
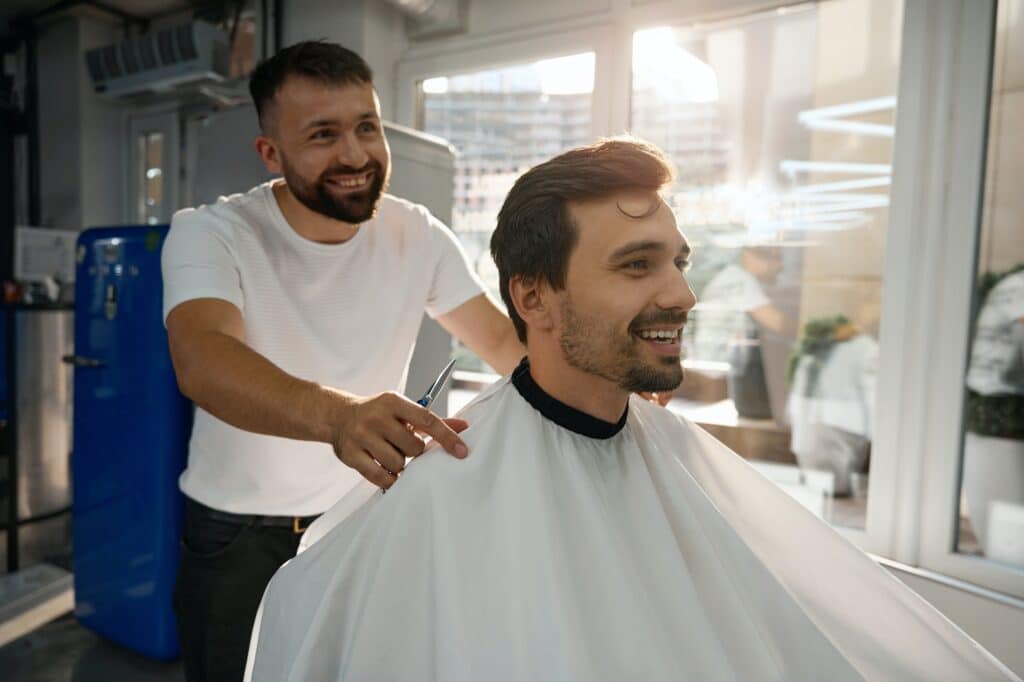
565,548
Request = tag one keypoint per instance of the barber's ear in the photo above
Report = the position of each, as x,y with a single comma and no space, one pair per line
267,150
532,299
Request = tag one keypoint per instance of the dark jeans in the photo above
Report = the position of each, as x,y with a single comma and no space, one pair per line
223,571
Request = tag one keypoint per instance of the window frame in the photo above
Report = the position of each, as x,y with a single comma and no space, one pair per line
412,71
938,192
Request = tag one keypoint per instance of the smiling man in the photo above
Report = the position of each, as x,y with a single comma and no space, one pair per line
291,312
592,536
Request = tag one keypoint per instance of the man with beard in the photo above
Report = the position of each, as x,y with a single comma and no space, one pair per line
592,536
291,313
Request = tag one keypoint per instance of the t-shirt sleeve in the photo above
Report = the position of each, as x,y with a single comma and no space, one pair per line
197,262
752,296
734,289
454,281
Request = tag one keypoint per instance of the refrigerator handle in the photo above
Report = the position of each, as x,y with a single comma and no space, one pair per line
82,361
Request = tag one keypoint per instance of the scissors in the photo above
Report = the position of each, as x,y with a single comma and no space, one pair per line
434,389
439,383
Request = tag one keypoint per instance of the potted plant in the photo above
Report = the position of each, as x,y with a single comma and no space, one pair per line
994,411
831,375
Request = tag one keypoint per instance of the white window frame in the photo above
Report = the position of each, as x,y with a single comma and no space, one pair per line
930,253
931,263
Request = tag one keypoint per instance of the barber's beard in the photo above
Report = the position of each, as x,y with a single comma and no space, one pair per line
592,345
352,208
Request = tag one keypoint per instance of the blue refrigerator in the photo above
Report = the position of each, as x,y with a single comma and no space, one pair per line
131,430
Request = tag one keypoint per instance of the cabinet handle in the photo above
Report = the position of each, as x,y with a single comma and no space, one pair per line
82,361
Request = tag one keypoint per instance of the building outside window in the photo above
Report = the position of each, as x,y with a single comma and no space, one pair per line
502,122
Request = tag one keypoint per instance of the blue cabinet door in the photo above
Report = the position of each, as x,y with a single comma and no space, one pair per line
131,430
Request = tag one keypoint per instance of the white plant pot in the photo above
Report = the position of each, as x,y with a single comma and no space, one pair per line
993,471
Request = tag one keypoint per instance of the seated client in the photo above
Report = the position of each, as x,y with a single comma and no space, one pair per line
591,535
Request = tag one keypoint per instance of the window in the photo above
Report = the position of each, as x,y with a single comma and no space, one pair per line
152,166
150,199
780,125
501,122
991,511
796,142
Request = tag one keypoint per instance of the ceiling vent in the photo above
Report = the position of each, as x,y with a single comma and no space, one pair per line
160,61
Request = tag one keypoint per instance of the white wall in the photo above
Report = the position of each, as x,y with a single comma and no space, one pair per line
81,135
102,135
373,28
59,125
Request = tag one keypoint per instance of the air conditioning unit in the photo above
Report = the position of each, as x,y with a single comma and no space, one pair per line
161,60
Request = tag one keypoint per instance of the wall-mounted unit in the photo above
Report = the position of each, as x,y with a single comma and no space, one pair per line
160,61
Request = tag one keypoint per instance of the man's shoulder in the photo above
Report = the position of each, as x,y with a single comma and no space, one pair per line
403,214
732,275
226,214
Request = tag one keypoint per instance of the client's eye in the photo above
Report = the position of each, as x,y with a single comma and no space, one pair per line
638,265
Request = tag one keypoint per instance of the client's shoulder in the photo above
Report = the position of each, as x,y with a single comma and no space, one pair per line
656,415
438,472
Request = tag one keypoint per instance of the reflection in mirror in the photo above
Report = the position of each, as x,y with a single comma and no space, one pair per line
781,126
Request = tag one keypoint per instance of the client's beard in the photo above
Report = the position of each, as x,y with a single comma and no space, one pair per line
352,208
591,345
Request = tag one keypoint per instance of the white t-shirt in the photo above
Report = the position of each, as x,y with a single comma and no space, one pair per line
722,312
344,315
997,355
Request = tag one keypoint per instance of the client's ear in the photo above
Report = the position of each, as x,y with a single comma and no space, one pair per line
531,297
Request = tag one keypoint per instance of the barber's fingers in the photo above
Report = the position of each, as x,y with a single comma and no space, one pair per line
426,422
456,425
661,398
372,471
402,438
386,454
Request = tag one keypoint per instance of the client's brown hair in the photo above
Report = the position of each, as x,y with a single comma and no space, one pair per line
535,232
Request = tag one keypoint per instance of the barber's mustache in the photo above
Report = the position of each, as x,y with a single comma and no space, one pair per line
349,170
661,317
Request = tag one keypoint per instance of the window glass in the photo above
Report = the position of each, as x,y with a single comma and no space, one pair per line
991,513
781,127
150,178
502,122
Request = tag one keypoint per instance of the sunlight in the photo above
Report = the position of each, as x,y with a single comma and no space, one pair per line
435,86
570,75
660,63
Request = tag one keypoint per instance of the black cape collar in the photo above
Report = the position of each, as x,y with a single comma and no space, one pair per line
560,413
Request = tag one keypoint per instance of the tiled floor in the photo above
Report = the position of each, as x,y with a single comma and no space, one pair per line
64,651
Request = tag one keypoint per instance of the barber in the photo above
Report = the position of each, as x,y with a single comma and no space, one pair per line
291,313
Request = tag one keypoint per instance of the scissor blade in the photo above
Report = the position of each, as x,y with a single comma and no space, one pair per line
439,383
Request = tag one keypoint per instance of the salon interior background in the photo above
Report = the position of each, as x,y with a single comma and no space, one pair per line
854,163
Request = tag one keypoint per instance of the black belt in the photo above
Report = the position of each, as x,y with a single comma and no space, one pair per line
298,524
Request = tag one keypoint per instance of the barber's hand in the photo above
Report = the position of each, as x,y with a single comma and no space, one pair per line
382,431
661,398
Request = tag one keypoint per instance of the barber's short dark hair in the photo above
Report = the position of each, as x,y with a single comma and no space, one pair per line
326,62
536,233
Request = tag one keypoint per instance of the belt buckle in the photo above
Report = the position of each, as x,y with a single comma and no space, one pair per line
297,526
